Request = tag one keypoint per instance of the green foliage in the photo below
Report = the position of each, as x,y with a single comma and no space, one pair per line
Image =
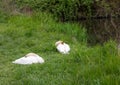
64,9
3,17
110,49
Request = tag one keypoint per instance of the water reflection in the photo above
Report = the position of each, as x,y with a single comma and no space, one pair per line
101,30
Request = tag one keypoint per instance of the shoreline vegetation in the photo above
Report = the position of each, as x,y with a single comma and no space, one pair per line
69,10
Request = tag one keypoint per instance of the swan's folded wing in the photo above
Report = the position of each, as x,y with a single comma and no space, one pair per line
22,60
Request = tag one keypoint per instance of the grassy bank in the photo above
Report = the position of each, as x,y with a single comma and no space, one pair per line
98,65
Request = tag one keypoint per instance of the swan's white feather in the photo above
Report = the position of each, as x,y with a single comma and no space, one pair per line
29,59
63,48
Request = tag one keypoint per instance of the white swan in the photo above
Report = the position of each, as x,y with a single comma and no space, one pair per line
62,47
30,58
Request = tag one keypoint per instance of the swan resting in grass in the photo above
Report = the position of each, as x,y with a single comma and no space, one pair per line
62,47
30,58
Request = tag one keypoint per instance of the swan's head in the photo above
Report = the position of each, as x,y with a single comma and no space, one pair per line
59,42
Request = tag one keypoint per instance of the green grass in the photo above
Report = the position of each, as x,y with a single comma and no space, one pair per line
98,65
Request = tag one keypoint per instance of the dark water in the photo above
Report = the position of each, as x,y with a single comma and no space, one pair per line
102,30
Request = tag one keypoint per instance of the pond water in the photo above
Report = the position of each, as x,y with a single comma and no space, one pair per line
102,30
